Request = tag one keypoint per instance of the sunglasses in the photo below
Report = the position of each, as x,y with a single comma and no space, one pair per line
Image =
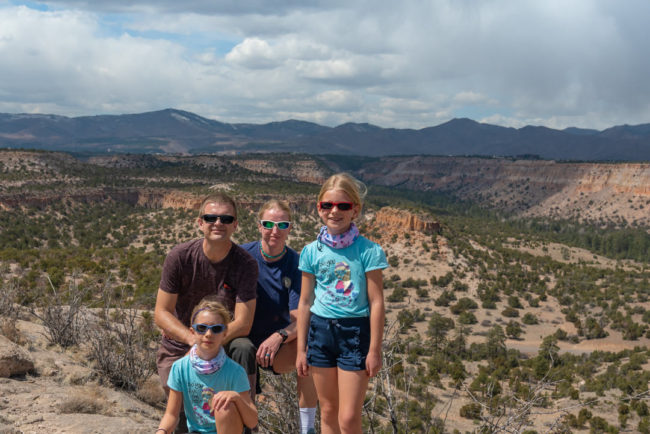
203,328
343,206
268,224
212,218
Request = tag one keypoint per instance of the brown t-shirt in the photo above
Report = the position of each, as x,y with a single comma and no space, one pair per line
190,274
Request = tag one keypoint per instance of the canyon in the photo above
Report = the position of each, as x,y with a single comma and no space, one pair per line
601,193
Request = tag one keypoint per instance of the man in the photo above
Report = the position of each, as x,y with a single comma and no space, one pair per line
212,265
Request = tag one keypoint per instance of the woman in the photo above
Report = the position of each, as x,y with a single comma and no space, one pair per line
278,292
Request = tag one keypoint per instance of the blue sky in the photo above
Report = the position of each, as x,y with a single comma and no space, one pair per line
407,64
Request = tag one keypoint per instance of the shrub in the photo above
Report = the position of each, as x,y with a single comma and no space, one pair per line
8,293
513,329
62,314
445,298
514,302
510,312
463,304
471,411
397,295
446,279
467,318
120,343
529,319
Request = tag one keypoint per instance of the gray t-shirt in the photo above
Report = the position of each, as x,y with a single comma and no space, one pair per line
190,274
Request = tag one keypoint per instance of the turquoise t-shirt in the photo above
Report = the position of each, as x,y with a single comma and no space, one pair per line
198,390
341,290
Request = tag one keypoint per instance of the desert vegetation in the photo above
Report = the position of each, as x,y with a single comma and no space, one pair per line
494,324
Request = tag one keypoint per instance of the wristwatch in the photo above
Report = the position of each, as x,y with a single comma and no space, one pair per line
283,333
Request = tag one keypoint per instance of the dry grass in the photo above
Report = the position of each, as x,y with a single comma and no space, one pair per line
87,399
9,330
152,392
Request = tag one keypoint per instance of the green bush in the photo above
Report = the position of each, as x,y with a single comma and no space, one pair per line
471,411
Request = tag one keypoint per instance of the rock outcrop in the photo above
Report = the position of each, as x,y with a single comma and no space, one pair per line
13,359
292,167
618,192
402,220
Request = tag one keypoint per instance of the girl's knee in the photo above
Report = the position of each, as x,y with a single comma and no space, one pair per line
350,422
228,416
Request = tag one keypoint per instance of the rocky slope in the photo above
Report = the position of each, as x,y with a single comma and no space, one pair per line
586,191
594,192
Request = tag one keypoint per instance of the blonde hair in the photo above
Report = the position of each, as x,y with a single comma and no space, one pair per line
212,305
347,183
218,197
274,203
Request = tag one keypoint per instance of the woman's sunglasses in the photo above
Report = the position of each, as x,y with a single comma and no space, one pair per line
212,218
268,224
203,328
343,206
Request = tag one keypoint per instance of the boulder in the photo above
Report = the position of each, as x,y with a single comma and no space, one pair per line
14,360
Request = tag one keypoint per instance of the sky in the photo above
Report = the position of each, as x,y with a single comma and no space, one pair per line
394,64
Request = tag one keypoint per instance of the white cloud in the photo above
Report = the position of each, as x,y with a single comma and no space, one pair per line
407,64
338,100
253,53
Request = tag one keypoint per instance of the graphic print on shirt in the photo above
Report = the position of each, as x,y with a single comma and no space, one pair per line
339,287
202,411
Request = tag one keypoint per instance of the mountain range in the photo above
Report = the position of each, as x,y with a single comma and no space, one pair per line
181,132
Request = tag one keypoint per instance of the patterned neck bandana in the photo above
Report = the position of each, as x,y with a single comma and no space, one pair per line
207,366
340,241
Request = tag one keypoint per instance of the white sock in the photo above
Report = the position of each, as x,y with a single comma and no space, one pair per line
307,418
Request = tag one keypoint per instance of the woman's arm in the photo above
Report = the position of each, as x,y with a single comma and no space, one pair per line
170,418
375,285
306,300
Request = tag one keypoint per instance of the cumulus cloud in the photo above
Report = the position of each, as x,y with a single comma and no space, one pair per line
253,53
412,64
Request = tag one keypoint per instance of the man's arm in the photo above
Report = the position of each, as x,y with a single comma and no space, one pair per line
243,320
165,319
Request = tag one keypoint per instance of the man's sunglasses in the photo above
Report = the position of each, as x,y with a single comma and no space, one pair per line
212,218
268,224
203,328
343,206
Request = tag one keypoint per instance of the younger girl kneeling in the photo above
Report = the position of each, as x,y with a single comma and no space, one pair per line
212,388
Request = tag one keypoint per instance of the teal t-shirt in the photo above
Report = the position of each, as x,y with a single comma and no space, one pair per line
341,290
198,390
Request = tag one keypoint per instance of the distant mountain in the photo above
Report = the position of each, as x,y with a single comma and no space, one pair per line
176,131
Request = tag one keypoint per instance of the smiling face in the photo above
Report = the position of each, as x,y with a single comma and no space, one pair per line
217,231
336,220
273,240
208,344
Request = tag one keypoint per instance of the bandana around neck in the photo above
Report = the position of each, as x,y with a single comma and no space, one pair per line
340,241
207,366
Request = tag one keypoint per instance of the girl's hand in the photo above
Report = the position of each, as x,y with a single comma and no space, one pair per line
373,363
223,399
301,364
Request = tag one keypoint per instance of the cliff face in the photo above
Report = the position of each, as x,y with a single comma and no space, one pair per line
296,168
586,191
146,198
402,220
594,192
